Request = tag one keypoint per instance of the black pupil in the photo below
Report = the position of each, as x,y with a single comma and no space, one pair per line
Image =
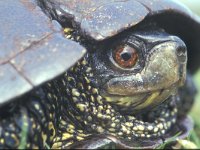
125,56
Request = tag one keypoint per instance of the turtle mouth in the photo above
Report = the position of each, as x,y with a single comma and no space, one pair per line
134,104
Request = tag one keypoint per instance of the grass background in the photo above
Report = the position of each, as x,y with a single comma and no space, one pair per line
194,5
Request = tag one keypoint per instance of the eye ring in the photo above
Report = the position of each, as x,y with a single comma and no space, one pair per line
125,56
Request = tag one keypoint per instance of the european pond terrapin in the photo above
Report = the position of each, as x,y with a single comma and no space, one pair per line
87,73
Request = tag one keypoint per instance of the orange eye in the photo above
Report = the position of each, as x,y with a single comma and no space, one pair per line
125,56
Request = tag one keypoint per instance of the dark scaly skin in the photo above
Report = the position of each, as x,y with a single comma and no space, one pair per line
37,114
70,108
60,113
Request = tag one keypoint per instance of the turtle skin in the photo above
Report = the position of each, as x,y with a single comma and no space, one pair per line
72,108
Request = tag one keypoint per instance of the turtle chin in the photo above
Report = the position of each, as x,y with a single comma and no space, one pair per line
139,103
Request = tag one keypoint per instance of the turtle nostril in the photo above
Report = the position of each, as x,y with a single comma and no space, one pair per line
182,54
181,51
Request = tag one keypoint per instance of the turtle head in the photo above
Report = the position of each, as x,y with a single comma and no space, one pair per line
140,70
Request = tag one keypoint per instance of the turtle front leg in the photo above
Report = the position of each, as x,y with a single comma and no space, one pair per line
26,123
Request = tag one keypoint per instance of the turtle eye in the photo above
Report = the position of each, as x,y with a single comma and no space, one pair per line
125,56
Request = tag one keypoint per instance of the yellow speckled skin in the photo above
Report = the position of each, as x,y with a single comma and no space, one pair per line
71,107
58,121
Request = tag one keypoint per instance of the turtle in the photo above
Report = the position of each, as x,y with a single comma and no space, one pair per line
93,73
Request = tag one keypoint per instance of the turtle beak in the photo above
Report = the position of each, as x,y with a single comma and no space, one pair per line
165,70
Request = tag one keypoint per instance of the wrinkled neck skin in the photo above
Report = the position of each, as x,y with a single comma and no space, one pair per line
95,115
100,97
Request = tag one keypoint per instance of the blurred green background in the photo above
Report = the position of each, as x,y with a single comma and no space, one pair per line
194,5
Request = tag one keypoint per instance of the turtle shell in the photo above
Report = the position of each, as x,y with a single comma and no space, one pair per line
33,49
102,19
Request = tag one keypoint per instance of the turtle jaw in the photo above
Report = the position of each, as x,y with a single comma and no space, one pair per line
129,105
163,74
